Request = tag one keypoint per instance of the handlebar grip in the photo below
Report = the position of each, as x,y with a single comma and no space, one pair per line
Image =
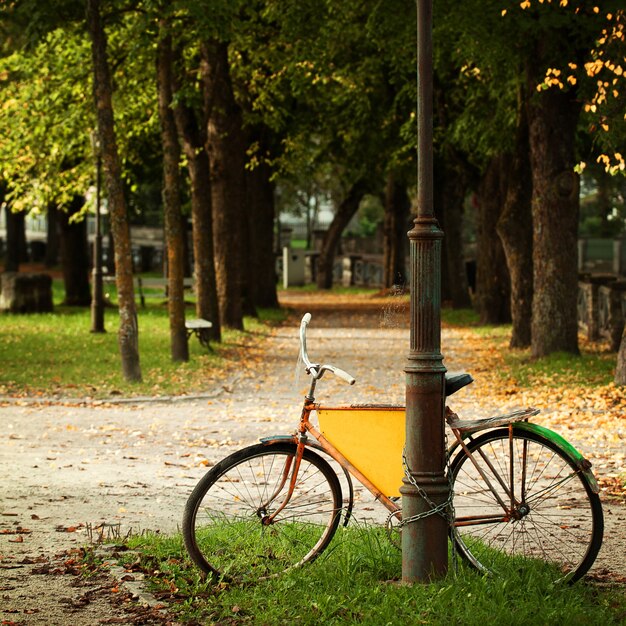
343,375
303,324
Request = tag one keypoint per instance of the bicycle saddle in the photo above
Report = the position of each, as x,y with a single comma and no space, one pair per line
454,382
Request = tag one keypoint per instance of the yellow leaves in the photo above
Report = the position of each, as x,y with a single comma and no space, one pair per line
470,71
553,79
563,3
612,164
525,4
593,67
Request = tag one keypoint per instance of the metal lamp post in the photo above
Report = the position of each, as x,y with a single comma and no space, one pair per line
97,299
424,537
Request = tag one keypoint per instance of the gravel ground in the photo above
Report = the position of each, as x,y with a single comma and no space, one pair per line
69,468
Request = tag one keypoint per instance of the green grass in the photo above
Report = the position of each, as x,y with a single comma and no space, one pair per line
459,317
46,354
55,353
594,366
298,244
356,581
590,369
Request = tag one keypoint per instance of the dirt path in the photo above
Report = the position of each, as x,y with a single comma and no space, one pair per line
69,468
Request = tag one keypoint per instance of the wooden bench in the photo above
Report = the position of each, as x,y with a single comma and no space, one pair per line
200,328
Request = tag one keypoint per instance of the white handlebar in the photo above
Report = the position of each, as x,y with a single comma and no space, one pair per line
341,373
317,370
303,324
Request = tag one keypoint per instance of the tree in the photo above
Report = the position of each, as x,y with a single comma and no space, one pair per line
581,57
174,225
323,81
347,208
16,239
261,213
128,334
492,276
395,227
516,234
549,43
226,149
553,118
192,129
452,181
74,251
44,144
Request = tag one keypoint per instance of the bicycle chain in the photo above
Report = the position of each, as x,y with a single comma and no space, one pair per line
445,509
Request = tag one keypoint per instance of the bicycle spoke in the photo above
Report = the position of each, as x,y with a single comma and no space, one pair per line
228,525
554,515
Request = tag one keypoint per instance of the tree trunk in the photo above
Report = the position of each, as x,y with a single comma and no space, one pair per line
552,121
262,261
174,227
226,149
128,334
193,139
395,229
75,259
348,207
16,240
52,235
516,234
450,190
492,278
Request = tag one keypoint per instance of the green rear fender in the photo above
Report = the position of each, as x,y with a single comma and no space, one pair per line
565,446
581,462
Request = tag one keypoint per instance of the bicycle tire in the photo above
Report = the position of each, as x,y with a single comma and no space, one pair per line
223,525
558,518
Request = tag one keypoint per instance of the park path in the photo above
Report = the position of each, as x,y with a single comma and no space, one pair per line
70,470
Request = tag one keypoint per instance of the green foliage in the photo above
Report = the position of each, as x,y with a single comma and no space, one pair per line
370,216
356,581
322,78
45,121
483,63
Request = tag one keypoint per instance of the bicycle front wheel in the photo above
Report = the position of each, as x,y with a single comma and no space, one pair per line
228,524
524,497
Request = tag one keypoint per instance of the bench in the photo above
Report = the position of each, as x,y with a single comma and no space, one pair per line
200,328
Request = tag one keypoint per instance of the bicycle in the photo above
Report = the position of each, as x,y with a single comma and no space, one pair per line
518,490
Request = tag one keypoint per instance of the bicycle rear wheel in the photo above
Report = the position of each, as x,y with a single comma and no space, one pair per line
547,508
225,523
